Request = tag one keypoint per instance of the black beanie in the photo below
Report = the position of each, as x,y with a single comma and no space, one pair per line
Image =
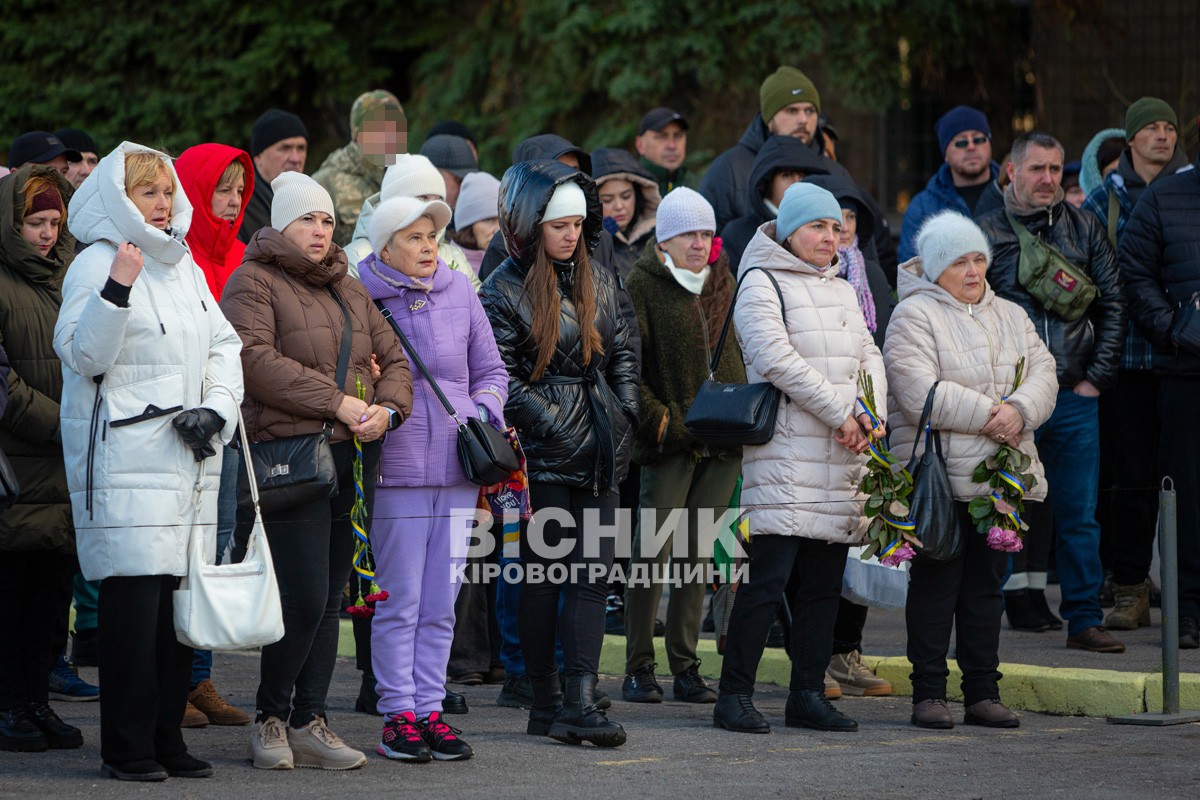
76,139
274,126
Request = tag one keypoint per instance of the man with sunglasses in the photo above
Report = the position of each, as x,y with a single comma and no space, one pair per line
966,182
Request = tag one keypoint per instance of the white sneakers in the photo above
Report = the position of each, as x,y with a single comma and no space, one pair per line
274,745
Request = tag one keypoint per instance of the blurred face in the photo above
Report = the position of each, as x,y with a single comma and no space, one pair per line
689,250
964,278
969,155
667,148
484,230
797,119
312,233
816,242
453,185
619,201
560,236
413,250
227,200
382,138
1075,196
1155,143
154,200
849,227
780,181
1036,179
286,155
78,170
41,230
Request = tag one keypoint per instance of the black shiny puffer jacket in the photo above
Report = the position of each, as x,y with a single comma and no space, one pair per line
576,423
1089,347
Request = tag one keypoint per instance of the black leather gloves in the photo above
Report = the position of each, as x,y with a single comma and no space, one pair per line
196,427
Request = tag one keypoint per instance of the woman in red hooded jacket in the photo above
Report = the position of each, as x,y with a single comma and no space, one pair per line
218,180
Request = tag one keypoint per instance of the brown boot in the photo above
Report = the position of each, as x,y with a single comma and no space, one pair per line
209,702
193,717
932,714
990,714
1131,607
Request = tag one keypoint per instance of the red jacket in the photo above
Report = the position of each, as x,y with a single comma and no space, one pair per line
213,241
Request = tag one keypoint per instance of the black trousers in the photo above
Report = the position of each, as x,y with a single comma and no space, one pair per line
964,594
848,628
817,567
580,623
143,668
1179,446
312,545
30,583
1129,475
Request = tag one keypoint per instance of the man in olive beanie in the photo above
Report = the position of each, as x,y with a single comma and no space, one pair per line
790,104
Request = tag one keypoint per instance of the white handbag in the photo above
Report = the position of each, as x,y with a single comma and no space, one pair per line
869,583
229,606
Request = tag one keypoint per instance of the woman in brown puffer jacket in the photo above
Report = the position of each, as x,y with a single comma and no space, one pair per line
289,302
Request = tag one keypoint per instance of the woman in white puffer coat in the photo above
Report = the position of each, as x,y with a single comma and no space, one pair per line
951,328
151,384
800,490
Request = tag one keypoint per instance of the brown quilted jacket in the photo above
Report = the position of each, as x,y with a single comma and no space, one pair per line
291,328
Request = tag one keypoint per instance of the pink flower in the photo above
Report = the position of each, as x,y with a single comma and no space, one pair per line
995,536
1004,540
902,553
1003,507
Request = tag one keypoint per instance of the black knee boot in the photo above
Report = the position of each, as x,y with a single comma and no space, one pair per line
580,721
547,702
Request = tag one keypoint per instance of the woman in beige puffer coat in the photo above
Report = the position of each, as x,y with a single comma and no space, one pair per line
800,490
951,328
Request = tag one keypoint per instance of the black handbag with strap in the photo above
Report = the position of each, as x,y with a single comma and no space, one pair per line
298,469
486,456
931,504
735,413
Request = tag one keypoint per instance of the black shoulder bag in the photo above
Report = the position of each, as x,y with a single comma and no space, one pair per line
931,505
486,456
298,469
735,413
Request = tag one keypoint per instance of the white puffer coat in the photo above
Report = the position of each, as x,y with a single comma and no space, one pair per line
131,477
973,350
802,482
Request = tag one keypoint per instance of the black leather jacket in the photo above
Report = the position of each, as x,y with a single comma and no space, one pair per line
1090,347
576,423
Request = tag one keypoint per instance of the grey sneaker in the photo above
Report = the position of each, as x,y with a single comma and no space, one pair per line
315,745
269,748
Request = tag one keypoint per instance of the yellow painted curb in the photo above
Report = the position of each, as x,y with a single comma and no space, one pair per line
1189,692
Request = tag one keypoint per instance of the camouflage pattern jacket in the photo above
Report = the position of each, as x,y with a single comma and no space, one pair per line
350,178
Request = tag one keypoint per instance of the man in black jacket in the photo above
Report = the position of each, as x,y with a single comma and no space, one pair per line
1088,352
1159,257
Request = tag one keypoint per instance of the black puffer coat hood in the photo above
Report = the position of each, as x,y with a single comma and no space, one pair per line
525,190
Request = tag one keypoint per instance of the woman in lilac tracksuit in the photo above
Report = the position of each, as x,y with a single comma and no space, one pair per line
420,479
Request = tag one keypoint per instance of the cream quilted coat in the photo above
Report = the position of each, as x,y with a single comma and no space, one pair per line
973,350
802,482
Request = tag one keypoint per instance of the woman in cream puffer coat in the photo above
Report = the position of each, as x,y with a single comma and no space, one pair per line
951,328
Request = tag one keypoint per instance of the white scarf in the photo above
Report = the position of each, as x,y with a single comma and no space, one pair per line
692,281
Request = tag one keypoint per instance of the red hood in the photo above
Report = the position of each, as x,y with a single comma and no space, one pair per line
213,241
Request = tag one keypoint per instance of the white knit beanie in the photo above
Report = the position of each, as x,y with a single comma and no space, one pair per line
412,176
568,200
296,194
400,212
684,210
478,199
946,237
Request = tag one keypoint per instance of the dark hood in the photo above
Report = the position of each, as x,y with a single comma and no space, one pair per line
199,169
525,190
548,147
16,253
845,189
776,153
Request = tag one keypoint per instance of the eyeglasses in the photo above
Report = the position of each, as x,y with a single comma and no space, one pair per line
978,141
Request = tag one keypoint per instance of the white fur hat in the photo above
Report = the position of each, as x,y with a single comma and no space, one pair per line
400,212
296,194
412,176
946,237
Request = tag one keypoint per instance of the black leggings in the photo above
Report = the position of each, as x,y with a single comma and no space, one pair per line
580,624
31,584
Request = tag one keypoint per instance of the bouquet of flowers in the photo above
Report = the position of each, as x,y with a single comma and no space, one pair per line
887,486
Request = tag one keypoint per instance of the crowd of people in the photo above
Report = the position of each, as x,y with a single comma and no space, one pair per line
577,303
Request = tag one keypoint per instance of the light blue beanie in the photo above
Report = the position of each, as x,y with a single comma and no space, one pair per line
802,203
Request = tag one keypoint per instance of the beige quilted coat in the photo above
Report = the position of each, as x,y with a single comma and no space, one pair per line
973,350
802,482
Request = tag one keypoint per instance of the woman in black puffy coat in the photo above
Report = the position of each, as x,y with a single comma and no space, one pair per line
573,397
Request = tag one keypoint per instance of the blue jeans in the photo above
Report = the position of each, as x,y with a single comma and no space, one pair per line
227,498
1069,447
508,597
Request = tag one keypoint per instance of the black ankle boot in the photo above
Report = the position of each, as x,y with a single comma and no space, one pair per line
736,712
59,735
19,734
1022,616
547,702
368,697
602,701
454,703
808,708
580,721
1037,599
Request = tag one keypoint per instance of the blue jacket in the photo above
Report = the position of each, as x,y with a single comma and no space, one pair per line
938,195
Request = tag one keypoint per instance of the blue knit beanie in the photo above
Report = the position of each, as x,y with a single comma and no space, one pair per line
957,120
802,203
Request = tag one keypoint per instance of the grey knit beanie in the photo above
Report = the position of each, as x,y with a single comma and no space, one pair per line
683,210
296,194
946,237
478,199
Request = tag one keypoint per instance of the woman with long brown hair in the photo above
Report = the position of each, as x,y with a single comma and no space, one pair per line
573,397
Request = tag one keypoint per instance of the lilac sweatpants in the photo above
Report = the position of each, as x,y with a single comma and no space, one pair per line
415,557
